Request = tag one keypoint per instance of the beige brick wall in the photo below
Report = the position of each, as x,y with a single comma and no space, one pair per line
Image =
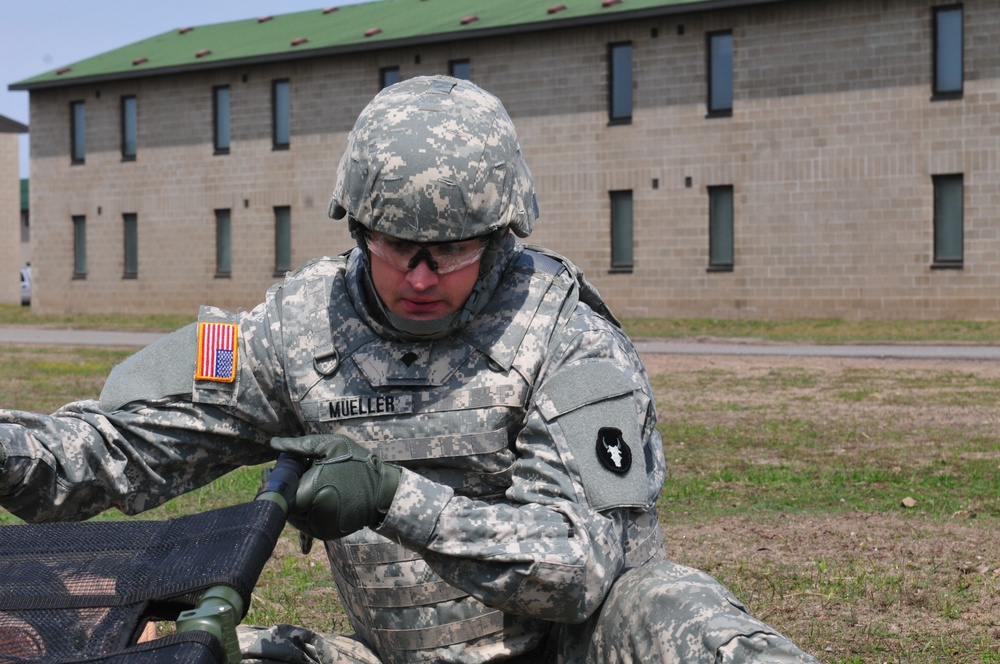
10,220
830,149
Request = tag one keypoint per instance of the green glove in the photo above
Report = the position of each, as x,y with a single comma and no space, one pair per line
347,489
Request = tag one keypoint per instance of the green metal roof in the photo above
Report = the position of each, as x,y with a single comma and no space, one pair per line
364,26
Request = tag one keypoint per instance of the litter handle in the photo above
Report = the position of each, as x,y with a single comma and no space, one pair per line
282,481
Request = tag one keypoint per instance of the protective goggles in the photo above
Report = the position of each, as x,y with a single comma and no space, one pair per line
442,257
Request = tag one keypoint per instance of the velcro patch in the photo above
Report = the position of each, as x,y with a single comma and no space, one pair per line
612,450
217,351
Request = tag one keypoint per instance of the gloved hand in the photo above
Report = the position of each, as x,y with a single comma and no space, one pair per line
347,489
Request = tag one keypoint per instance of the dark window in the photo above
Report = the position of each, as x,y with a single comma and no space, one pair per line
223,244
948,57
79,247
130,221
949,213
130,120
77,132
460,69
620,83
720,228
621,231
720,74
281,114
282,240
220,110
388,76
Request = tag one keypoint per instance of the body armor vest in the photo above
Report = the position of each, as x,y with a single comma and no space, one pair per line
448,409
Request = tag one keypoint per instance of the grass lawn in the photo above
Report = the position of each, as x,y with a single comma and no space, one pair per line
853,504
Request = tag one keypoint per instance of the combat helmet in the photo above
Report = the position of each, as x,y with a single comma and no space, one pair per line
434,159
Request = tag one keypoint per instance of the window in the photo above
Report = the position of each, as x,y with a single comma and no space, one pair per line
130,117
621,231
282,240
460,69
77,132
220,106
223,244
388,76
948,52
130,222
79,247
948,221
620,83
281,114
25,211
720,74
720,228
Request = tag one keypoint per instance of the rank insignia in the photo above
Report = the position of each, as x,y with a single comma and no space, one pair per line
612,450
217,350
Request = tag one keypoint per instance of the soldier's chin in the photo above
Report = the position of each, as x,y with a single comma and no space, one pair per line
423,311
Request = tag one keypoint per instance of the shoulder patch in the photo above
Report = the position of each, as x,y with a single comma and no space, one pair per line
217,352
612,450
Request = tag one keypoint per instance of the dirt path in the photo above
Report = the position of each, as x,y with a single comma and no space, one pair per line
859,581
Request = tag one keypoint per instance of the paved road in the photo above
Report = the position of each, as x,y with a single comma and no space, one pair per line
57,337
885,351
27,335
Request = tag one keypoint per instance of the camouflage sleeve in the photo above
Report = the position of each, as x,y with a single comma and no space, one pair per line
555,546
156,432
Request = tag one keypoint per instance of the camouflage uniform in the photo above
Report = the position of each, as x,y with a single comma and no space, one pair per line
524,525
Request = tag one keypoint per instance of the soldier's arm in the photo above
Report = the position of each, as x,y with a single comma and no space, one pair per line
155,433
553,549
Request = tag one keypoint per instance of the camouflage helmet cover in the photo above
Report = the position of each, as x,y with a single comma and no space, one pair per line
434,159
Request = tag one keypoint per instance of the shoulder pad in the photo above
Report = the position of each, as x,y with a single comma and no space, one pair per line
324,265
588,293
164,368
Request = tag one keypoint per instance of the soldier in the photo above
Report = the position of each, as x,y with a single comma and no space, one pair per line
486,461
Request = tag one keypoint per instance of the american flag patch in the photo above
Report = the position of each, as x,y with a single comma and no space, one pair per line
216,352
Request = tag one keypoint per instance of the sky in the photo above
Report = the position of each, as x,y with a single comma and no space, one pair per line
39,35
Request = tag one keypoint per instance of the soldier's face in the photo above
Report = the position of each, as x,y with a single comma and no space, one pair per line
421,293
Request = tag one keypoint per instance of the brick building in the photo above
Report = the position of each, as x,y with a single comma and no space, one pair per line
10,211
719,158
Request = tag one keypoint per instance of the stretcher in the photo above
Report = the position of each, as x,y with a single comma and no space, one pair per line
85,592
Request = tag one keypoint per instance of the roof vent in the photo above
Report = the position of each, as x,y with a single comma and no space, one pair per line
465,20
554,9
264,19
371,32
203,52
185,30
610,3
63,70
299,41
140,61
330,10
